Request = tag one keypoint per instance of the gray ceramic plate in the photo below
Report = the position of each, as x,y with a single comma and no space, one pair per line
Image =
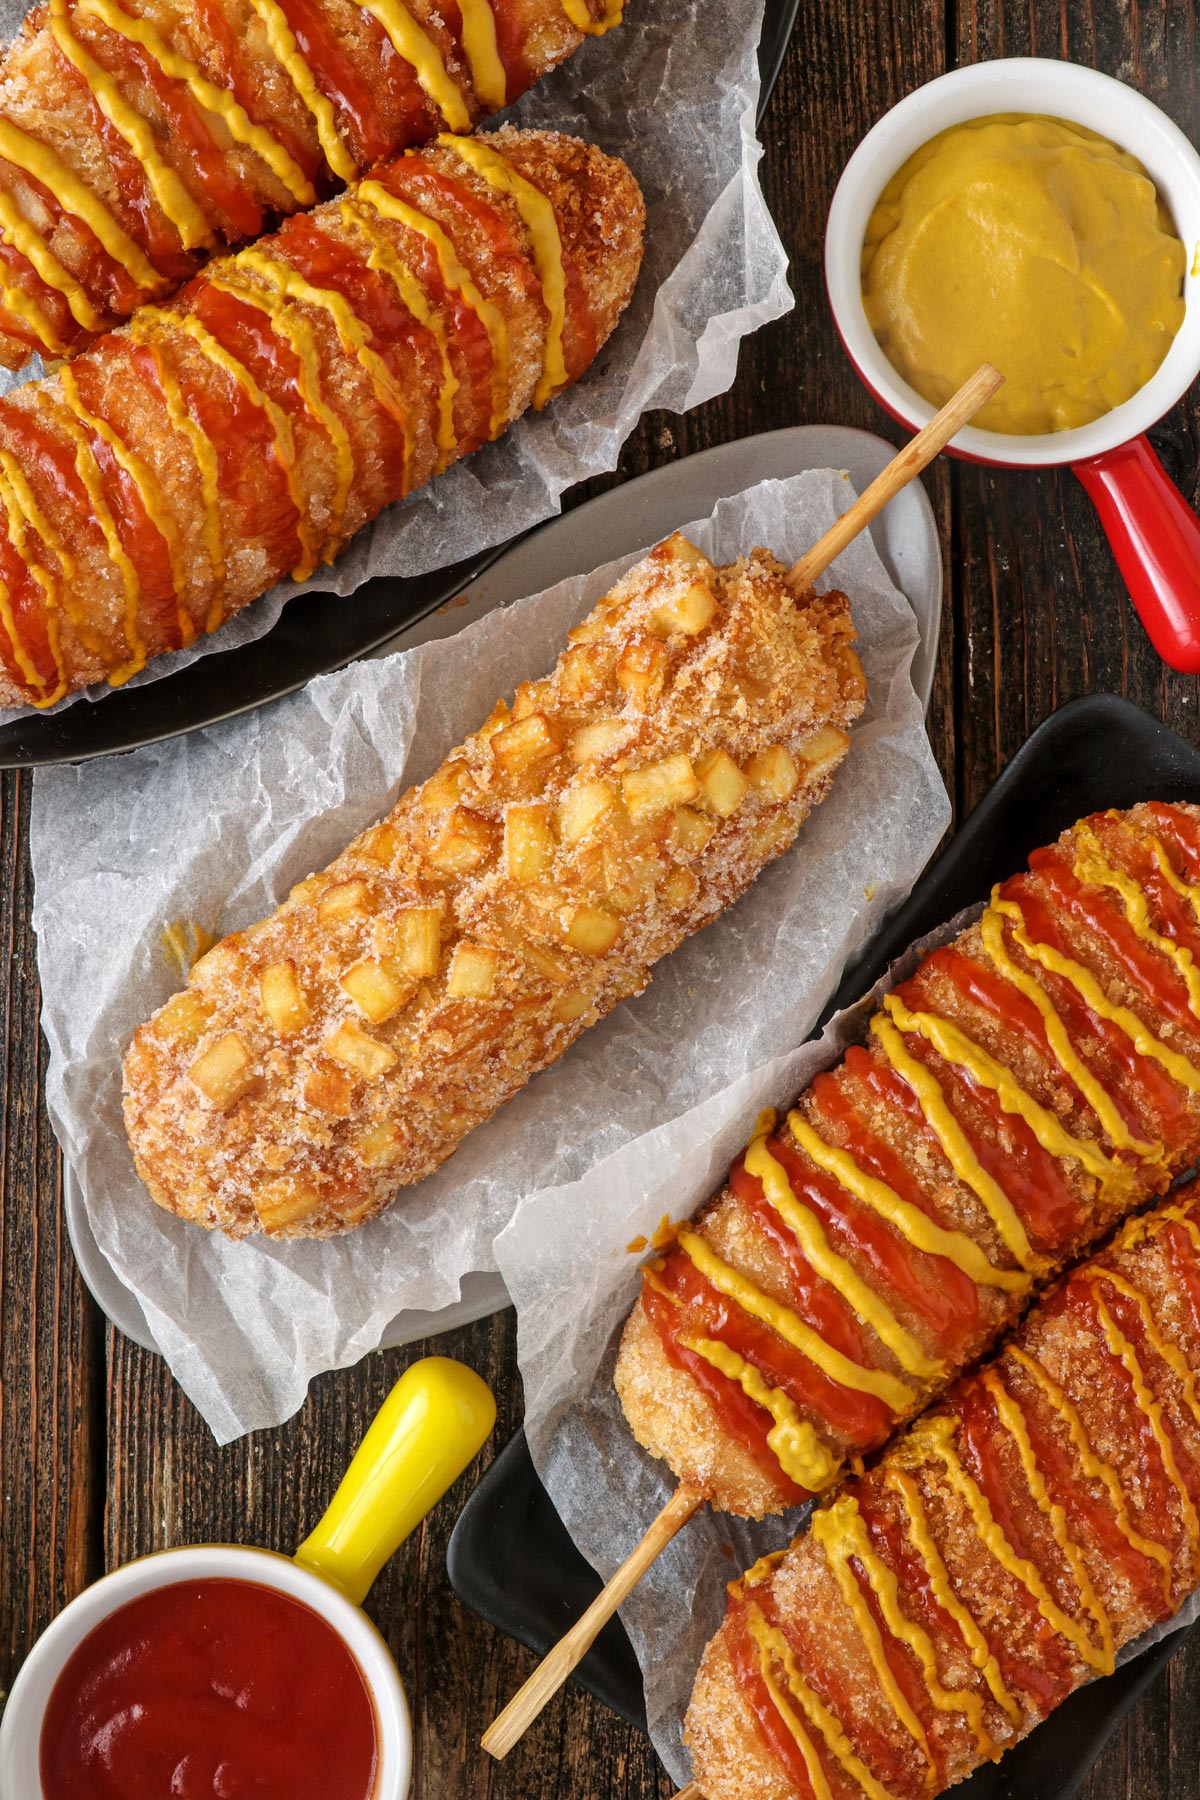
625,519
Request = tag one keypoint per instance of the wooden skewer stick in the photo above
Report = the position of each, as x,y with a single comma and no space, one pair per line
690,1792
899,472
550,1674
570,1650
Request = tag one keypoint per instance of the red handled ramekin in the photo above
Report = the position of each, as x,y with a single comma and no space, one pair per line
1154,534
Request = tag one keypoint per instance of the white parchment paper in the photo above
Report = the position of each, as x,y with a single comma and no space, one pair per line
215,827
673,91
573,1290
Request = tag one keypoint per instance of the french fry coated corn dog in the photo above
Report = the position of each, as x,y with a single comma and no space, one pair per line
996,1558
138,137
343,1047
1029,1085
185,463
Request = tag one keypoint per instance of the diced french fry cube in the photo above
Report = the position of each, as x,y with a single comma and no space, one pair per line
658,787
641,668
528,841
354,1049
582,807
284,1202
445,787
601,738
571,1006
593,627
185,1018
693,830
592,930
824,747
472,974
544,962
417,937
304,890
342,901
377,989
283,998
530,697
222,959
688,612
495,721
773,772
329,1091
225,1070
723,782
377,1145
772,833
680,888
464,842
525,742
584,672
382,843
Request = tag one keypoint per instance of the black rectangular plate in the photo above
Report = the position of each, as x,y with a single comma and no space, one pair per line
315,633
510,1557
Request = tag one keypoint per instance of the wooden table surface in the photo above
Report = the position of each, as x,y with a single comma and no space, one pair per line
101,1457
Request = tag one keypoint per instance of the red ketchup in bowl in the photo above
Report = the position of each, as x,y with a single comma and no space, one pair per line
210,1690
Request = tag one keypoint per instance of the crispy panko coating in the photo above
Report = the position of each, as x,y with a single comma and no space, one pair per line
342,1048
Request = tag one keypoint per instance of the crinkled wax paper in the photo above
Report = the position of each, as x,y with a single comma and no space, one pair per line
217,826
674,92
573,1287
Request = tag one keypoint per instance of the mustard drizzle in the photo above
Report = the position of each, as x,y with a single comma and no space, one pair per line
1013,1420
922,1232
772,1645
287,54
282,279
414,45
1144,1041
15,527
383,258
205,456
175,202
207,95
841,1275
792,1328
283,443
935,1435
541,222
1093,867
479,45
41,162
1123,1350
956,1047
580,17
455,275
1067,1057
297,333
955,1144
88,471
840,1530
15,300
1092,1465
923,1541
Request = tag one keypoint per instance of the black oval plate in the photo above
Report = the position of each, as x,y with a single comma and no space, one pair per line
510,1557
315,632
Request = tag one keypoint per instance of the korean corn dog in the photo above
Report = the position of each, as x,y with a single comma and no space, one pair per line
1028,1086
185,463
138,137
344,1046
997,1557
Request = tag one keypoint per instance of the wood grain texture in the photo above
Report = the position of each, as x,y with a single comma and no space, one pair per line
102,1458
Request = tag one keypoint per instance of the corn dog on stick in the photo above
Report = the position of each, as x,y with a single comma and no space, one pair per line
998,1557
1030,1084
341,1049
137,139
185,463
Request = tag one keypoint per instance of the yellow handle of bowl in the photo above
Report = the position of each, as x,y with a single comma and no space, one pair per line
434,1420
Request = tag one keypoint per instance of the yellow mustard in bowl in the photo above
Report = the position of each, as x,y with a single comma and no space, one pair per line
1034,244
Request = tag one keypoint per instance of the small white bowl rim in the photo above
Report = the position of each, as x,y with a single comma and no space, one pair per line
1018,84
20,1728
